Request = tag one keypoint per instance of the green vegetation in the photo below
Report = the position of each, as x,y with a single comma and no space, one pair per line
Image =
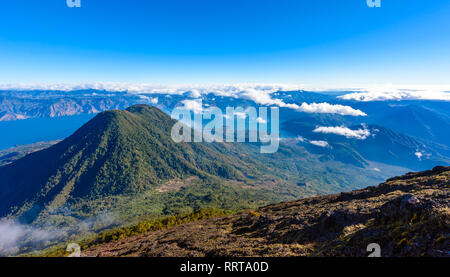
130,208
135,230
406,216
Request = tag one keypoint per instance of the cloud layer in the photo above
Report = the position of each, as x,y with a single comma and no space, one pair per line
259,93
364,93
398,93
195,90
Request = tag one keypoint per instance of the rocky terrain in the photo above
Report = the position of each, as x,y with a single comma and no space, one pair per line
406,216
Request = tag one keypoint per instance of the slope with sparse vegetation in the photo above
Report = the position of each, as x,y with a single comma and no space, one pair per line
406,216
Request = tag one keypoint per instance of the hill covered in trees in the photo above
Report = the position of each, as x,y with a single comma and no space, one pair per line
116,153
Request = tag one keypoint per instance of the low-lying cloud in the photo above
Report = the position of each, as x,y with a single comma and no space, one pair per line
344,131
330,109
14,235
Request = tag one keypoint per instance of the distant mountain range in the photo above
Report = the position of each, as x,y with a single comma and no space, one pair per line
375,143
18,105
418,121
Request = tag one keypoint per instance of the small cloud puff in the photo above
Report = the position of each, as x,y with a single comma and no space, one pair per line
320,143
195,93
149,99
419,155
193,105
241,115
261,120
344,131
331,109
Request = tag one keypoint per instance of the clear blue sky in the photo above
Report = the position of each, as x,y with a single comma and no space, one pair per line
320,42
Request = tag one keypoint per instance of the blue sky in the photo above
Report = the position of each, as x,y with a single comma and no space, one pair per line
317,42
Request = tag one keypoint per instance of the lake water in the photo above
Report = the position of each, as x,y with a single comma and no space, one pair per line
28,131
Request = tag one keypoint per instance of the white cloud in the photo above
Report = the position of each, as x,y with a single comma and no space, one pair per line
331,109
419,155
344,131
320,143
193,105
195,93
263,97
390,92
239,115
149,99
13,235
261,120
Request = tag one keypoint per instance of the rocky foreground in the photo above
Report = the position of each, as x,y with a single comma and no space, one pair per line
406,216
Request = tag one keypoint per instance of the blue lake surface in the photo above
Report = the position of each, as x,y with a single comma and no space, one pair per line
28,131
